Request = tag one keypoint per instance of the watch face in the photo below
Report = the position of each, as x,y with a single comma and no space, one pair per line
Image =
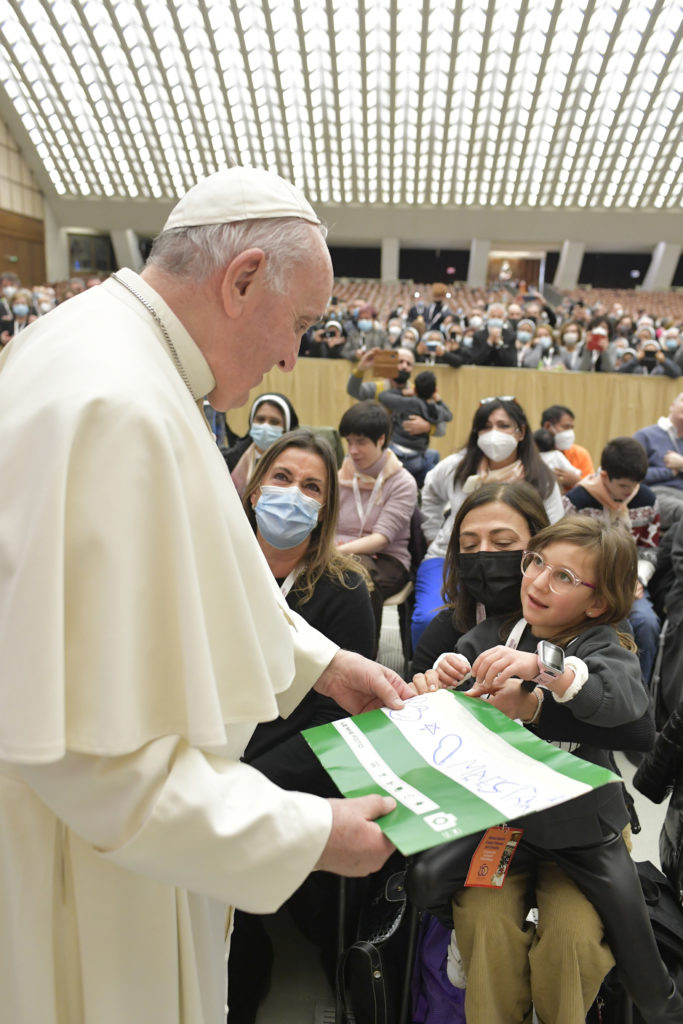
552,657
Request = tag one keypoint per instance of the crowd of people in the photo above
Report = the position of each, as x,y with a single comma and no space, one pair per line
153,775
453,326
512,327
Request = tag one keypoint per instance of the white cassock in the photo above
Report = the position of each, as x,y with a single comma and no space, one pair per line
141,638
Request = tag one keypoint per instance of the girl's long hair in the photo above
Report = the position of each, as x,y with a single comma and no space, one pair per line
535,470
616,569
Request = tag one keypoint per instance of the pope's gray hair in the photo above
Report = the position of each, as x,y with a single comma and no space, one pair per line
198,252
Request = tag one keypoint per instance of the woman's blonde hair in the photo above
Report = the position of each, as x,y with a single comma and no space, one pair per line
322,556
616,568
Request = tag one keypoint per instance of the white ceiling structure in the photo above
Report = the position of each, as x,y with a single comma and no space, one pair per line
553,107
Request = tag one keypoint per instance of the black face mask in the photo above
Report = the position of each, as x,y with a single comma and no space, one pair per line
402,376
493,578
650,361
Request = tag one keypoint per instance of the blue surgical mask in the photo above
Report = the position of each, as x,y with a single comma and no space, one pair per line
285,517
524,336
672,343
494,321
264,434
21,309
365,325
544,342
468,340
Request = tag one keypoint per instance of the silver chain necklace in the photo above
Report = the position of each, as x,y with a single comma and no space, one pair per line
162,326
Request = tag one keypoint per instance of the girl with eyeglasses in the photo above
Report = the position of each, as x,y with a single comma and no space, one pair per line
568,652
500,449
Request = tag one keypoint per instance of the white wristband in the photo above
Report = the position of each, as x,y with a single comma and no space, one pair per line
580,670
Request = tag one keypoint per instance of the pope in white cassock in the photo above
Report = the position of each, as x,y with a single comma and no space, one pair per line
142,635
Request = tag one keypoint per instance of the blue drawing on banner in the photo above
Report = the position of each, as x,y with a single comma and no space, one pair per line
478,777
411,710
446,748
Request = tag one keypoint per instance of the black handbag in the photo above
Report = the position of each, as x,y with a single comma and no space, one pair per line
612,1005
372,980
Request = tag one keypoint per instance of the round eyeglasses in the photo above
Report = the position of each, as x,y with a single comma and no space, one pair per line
560,581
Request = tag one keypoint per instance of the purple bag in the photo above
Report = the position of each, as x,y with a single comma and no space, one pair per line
435,1000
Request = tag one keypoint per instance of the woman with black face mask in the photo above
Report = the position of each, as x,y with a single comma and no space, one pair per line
482,568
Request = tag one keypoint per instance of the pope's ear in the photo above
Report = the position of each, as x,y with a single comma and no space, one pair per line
239,279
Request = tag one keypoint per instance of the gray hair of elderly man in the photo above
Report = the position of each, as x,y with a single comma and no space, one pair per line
198,252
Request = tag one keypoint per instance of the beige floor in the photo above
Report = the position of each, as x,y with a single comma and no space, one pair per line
300,994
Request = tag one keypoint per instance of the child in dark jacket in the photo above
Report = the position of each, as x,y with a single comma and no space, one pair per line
579,578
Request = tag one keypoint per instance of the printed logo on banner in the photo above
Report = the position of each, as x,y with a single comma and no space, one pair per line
441,821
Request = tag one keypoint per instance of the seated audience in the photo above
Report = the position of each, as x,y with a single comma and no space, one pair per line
499,449
616,494
423,401
270,416
663,444
377,500
560,421
324,341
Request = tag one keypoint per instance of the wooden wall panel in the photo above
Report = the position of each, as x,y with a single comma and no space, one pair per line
22,247
606,405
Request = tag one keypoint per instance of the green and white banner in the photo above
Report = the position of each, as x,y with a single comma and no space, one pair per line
455,766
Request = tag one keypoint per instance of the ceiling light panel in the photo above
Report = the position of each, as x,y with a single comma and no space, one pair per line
528,103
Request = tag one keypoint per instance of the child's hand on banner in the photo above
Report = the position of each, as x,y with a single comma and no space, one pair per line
448,670
494,667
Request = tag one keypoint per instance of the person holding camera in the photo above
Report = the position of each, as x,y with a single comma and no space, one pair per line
324,340
651,361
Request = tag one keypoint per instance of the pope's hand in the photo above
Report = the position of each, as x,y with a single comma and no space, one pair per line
357,846
358,684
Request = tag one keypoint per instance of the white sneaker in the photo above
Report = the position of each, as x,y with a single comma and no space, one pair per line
454,966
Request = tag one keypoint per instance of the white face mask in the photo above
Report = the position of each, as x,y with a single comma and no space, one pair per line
497,445
564,440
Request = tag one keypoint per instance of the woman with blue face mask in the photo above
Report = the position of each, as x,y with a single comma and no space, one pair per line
271,416
542,351
292,502
22,309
